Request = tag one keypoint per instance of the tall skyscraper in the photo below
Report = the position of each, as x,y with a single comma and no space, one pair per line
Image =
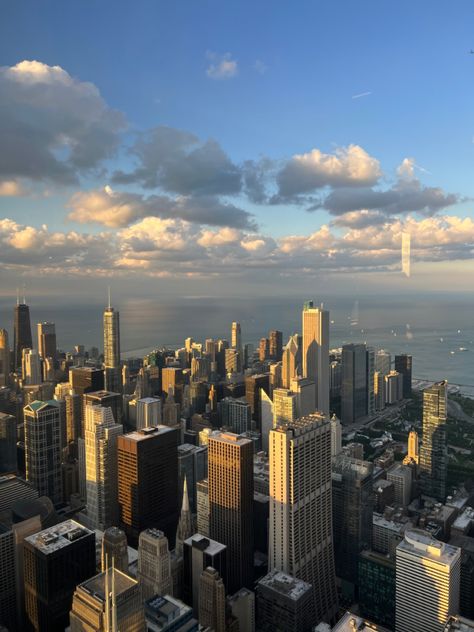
148,481
212,600
383,361
43,448
427,585
104,399
109,601
354,383
413,454
8,438
284,603
403,364
291,360
253,385
112,369
336,436
231,504
275,338
235,415
31,367
101,433
56,560
148,412
154,565
300,534
4,357
47,347
199,553
236,336
21,331
370,381
284,406
315,352
433,453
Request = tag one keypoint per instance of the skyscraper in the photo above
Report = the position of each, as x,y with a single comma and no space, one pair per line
413,454
43,448
4,357
315,352
284,406
101,433
354,397
8,438
253,384
433,453
47,347
114,549
235,414
291,360
236,336
148,481
300,533
275,338
113,378
31,367
154,565
212,600
148,412
21,331
427,585
199,553
403,364
231,504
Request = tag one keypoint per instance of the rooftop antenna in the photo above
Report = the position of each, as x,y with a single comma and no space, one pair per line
108,293
24,290
17,295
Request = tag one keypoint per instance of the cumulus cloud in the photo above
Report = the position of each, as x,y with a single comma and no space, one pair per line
11,188
221,66
53,126
360,219
178,162
348,166
117,209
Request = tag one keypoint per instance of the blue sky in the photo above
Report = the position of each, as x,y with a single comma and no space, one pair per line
293,70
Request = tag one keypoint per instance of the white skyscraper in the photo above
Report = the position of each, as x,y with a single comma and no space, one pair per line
315,354
300,535
336,436
427,587
31,366
148,412
100,440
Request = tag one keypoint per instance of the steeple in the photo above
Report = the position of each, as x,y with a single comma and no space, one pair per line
186,523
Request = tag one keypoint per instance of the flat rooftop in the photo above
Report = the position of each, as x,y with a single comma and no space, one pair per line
58,537
230,438
206,544
422,544
96,585
285,584
146,433
351,622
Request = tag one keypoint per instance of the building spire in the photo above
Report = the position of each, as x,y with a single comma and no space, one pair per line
17,295
108,296
24,292
186,523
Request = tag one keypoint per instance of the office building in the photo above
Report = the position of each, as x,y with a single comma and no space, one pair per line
109,601
370,363
242,606
300,532
304,390
202,507
73,416
154,565
21,332
168,614
275,340
231,504
233,361
8,438
403,364
31,367
266,419
100,437
383,362
379,390
336,436
4,358
315,352
55,561
427,587
43,448
433,453
401,477
104,399
284,406
377,588
148,481
236,336
192,466
264,349
148,412
284,603
393,387
351,622
413,454
352,509
114,549
86,379
47,347
354,383
253,385
172,378
199,553
235,415
212,602
112,370
291,360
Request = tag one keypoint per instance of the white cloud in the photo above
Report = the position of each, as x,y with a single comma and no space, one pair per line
221,66
11,188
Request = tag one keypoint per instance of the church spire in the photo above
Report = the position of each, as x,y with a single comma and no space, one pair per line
186,523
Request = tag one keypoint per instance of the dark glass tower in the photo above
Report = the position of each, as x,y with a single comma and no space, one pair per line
22,331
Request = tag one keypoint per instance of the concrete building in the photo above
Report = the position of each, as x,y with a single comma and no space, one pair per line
284,406
242,606
377,588
284,603
8,439
154,565
428,579
112,370
168,614
235,415
404,364
199,553
4,358
114,550
315,352
148,412
212,605
336,436
291,360
47,347
393,387
413,454
351,623
383,362
401,477
300,532
202,507
304,390
31,367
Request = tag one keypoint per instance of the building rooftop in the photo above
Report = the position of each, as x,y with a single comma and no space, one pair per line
291,587
353,623
95,586
148,400
229,437
58,537
308,422
38,405
459,624
379,558
205,544
420,543
146,433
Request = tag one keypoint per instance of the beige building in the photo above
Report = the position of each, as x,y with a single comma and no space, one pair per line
315,352
284,406
154,565
212,602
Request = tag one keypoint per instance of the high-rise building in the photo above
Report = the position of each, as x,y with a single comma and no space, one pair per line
401,477
8,439
148,412
379,390
22,331
212,602
336,436
264,349
291,360
284,406
43,448
192,465
393,387
427,583
101,434
55,560
235,414
73,416
242,606
4,357
154,565
233,361
112,371
275,338
315,352
403,364
168,614
148,481
109,601
31,367
352,510
304,390
114,549
172,378
86,380
284,603
413,454
433,453
236,336
47,347
104,399
300,533
370,381
199,553
377,588
354,383
253,385
202,507
383,361
231,504
186,522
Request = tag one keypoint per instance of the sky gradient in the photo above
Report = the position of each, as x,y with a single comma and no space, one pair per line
241,148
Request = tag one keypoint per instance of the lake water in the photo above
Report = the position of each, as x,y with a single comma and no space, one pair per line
429,328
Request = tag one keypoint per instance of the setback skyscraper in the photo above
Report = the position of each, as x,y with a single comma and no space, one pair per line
315,353
22,331
4,357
